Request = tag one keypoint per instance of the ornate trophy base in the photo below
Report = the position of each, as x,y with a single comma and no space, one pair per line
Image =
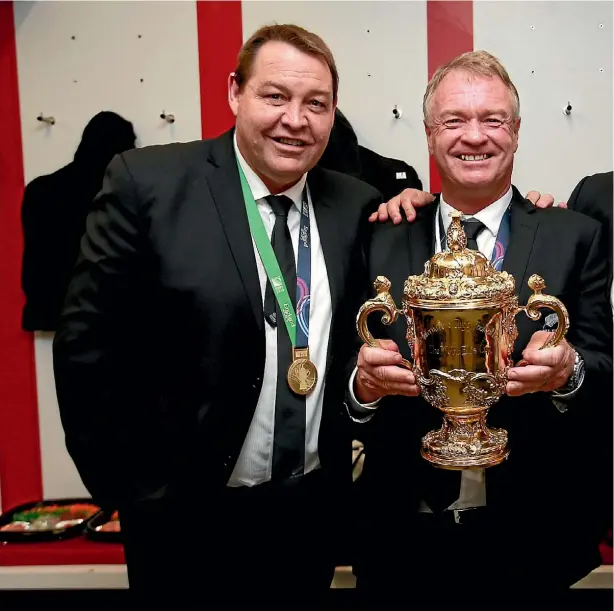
465,442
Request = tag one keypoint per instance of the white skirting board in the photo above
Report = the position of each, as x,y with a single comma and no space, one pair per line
113,576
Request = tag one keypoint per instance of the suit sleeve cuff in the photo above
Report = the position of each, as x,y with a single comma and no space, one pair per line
359,412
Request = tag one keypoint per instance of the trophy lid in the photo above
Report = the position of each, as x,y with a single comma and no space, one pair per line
458,274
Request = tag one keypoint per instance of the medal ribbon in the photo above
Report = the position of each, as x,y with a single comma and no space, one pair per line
502,240
297,326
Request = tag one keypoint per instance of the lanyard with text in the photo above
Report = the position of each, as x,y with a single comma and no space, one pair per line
502,241
302,374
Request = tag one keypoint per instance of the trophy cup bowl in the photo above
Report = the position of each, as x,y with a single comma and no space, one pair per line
461,330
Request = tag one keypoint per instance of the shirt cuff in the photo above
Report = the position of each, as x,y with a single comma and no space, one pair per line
359,412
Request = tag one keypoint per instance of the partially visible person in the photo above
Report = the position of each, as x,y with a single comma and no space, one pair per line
341,153
53,215
594,196
387,174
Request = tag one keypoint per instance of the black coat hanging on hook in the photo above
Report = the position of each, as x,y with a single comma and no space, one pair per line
53,214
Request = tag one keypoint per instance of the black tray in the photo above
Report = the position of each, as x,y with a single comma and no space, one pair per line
98,520
39,536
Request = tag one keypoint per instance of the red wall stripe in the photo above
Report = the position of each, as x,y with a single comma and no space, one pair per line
220,36
449,33
20,461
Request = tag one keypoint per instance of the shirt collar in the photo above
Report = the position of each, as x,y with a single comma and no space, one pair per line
259,189
491,215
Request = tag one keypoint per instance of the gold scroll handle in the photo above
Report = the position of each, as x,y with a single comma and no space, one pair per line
539,300
382,302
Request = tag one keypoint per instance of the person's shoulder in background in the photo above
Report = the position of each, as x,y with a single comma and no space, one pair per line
343,154
389,176
592,193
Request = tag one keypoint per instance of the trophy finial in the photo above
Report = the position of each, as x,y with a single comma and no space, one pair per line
457,240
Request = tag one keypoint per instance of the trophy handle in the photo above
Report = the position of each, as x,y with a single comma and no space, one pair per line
539,300
382,302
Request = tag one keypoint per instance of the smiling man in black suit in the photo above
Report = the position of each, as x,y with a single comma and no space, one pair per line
525,526
201,355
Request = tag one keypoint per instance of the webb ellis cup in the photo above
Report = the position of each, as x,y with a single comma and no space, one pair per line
461,330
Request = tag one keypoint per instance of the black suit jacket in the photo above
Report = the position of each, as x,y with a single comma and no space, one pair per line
548,483
594,196
159,356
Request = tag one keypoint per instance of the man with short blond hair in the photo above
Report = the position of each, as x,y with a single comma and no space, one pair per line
525,527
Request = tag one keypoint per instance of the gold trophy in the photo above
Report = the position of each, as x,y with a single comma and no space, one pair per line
461,331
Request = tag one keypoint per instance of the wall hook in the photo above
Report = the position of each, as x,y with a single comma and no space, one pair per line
47,120
567,109
397,112
168,117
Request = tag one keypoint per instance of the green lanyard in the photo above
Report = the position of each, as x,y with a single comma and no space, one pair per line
269,260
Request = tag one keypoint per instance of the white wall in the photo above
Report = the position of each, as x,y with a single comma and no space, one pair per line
555,52
72,80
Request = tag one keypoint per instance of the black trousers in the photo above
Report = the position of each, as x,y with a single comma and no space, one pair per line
268,544
435,561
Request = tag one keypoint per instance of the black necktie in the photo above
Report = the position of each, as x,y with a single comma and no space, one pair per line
282,246
441,488
290,416
472,228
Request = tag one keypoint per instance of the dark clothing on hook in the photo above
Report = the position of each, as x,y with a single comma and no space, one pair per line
53,216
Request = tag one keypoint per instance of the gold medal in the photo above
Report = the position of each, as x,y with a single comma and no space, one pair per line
302,373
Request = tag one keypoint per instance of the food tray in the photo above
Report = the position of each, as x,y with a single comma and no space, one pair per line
48,520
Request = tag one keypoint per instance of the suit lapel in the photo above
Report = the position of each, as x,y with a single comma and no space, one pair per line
523,227
225,188
328,229
422,238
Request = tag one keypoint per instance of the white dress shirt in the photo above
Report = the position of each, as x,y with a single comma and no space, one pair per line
254,463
